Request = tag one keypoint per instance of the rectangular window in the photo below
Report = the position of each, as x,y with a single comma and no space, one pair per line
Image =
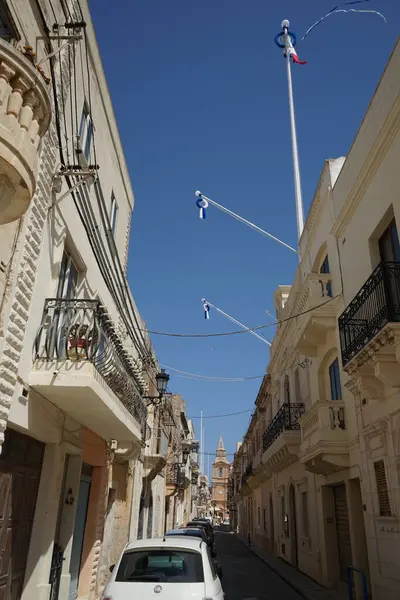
258,516
8,30
113,213
68,277
389,247
304,514
86,132
265,518
382,490
169,565
283,512
334,377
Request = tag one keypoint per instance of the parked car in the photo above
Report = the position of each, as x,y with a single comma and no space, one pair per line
177,567
198,532
205,525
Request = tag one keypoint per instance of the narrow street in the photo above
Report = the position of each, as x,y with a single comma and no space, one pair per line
245,576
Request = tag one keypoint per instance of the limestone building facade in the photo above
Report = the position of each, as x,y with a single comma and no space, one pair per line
316,480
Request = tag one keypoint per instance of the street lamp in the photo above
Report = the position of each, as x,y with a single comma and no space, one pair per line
162,379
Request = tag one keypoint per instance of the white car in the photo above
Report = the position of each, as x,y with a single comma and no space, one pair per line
169,568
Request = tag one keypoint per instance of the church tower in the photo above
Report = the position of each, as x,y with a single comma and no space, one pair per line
220,483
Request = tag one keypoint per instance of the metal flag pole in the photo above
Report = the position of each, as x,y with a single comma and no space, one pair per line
287,41
204,201
224,314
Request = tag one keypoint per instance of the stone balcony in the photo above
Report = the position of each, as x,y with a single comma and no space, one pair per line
281,440
25,114
81,366
315,300
155,458
324,441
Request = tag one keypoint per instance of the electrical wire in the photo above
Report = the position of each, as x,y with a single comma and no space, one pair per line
238,331
211,378
242,412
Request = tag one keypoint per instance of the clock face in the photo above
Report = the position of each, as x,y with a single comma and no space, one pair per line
220,492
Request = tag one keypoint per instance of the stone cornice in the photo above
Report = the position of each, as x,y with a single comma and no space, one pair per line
374,158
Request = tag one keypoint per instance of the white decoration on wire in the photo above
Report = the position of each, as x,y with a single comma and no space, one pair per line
339,9
228,316
206,308
240,219
202,204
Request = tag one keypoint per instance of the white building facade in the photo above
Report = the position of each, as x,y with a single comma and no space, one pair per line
316,480
75,360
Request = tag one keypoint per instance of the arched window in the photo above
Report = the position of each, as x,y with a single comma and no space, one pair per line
325,268
220,472
287,390
334,378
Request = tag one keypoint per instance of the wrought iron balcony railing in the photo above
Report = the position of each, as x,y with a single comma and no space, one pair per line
176,475
376,304
286,419
81,330
248,473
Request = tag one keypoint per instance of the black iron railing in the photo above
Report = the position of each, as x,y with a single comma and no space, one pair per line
376,304
248,473
81,330
286,419
176,475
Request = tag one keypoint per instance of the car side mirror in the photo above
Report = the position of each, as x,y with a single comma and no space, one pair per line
112,568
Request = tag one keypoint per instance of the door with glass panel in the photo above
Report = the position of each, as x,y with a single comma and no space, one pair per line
64,311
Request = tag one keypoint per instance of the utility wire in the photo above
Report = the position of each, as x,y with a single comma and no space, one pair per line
242,412
222,334
198,376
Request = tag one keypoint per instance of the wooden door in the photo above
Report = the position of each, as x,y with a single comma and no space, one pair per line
20,468
342,529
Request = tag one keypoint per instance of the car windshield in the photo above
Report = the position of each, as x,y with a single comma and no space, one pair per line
166,565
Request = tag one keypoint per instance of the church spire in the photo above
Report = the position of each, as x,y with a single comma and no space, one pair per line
221,452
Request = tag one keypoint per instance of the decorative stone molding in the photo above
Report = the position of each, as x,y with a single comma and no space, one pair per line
23,272
25,114
324,440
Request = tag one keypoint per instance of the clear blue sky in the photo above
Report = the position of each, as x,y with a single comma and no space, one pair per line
199,91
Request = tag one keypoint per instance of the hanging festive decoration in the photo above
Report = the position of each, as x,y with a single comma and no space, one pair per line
340,9
202,204
287,40
206,308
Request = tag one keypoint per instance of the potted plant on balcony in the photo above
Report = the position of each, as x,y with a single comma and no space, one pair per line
80,337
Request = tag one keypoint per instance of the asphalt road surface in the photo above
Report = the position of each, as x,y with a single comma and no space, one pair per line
245,576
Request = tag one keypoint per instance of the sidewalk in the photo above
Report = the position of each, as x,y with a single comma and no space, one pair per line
301,583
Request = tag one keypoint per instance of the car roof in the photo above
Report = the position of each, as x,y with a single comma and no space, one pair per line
191,543
186,533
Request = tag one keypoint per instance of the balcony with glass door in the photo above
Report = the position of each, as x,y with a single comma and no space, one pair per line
369,327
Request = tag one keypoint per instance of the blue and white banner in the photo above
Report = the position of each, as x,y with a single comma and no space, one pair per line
206,308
